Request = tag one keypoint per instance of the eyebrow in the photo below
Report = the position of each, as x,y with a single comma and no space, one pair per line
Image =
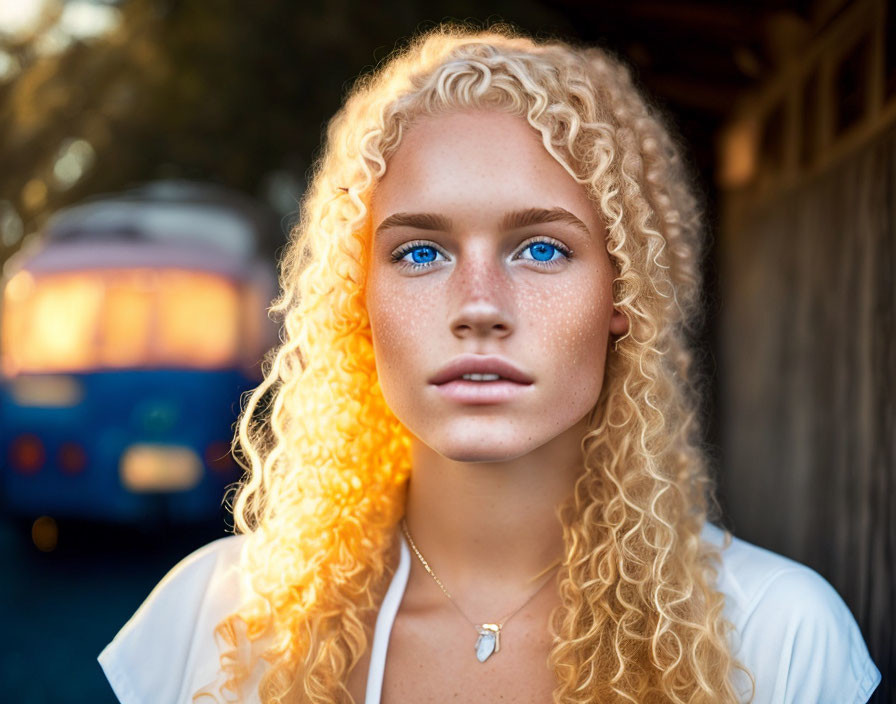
511,221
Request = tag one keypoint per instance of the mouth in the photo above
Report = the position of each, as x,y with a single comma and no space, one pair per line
481,369
481,379
470,391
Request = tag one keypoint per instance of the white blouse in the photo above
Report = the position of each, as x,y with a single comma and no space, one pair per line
792,630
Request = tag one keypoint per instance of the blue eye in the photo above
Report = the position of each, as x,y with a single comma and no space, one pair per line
421,255
543,252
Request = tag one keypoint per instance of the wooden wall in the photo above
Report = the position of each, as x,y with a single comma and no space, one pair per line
807,326
808,384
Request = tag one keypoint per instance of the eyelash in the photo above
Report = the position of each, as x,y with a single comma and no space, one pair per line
406,249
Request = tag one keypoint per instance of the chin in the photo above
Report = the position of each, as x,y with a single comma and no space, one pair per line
483,445
478,456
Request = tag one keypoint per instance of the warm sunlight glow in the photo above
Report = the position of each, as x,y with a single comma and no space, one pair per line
18,18
127,319
59,328
737,155
76,321
74,159
86,20
199,318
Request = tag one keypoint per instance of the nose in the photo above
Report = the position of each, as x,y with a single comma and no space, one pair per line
481,301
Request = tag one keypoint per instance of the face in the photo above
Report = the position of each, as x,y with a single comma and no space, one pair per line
485,248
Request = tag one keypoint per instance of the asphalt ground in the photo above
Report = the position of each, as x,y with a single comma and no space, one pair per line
61,606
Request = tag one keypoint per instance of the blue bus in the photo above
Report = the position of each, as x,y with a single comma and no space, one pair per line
127,336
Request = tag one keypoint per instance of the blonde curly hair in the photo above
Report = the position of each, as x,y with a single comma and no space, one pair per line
327,461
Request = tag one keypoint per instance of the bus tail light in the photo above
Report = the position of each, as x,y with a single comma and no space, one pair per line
27,454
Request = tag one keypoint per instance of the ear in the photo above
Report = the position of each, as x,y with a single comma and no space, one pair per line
618,323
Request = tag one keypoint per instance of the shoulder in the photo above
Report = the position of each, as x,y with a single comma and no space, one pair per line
167,649
792,629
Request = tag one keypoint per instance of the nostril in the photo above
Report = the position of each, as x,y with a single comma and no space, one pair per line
479,317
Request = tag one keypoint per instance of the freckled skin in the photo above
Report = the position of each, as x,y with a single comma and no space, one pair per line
480,296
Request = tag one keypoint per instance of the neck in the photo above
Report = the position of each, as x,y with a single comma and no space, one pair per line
492,527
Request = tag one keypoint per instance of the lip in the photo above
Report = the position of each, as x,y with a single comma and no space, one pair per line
480,364
480,393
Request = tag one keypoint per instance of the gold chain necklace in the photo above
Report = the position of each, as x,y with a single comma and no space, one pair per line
489,640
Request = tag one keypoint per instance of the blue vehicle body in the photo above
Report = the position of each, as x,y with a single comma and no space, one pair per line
135,443
119,409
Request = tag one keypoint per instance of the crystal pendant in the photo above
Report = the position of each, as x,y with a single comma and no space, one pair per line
489,641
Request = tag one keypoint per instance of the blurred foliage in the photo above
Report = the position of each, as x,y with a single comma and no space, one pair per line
229,92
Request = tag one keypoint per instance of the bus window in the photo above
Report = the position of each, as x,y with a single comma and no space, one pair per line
107,319
127,318
198,319
49,324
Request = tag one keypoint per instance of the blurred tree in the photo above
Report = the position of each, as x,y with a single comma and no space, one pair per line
230,92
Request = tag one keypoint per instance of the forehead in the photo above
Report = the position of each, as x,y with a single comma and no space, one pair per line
475,161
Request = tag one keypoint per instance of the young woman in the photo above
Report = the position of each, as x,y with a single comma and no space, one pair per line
474,461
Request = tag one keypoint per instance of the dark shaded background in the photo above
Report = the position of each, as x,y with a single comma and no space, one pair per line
239,93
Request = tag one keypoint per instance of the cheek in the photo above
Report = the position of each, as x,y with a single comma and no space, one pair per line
400,328
573,329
